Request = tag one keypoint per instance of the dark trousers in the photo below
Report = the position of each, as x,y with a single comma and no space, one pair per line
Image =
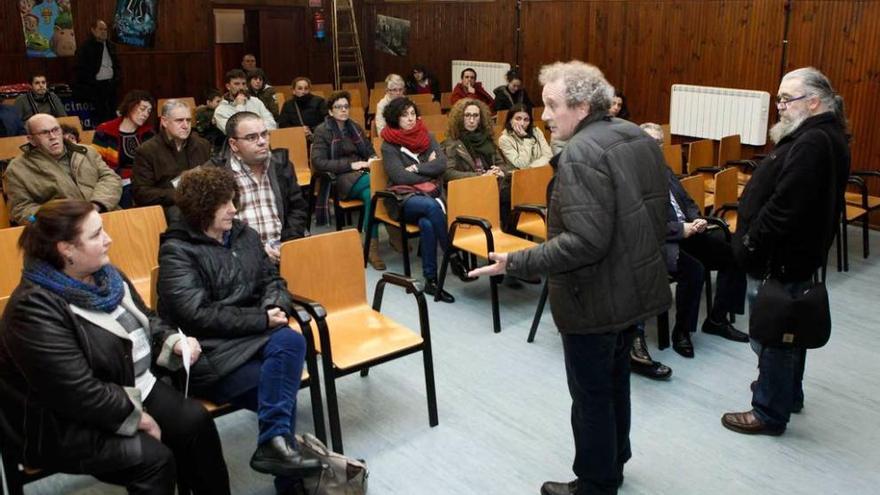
597,367
190,448
427,213
707,251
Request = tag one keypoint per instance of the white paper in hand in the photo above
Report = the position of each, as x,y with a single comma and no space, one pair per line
186,356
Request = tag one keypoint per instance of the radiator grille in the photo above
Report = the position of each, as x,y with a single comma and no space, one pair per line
712,113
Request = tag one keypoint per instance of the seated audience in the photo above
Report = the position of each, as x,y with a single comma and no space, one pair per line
508,95
237,100
52,168
257,87
70,133
394,88
618,106
39,100
248,62
470,88
415,165
271,201
204,125
117,140
159,162
217,284
523,145
420,82
692,247
341,147
304,109
78,349
470,151
10,122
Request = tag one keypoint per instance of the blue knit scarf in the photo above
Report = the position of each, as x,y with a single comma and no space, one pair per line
104,296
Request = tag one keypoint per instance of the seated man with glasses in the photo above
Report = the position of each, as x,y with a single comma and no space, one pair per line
51,167
271,201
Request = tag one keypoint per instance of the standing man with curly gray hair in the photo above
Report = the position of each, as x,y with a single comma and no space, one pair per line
606,224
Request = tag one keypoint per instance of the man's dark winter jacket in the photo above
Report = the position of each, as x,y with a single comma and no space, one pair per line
606,228
219,295
788,211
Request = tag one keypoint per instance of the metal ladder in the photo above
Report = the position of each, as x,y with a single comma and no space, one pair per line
348,61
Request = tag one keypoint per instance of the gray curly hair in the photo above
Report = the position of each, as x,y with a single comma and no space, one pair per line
584,83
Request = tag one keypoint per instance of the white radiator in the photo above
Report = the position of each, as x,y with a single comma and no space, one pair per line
491,74
712,113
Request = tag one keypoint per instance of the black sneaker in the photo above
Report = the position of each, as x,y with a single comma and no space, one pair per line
431,289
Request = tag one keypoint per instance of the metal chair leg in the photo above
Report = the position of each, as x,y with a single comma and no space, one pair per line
545,291
496,316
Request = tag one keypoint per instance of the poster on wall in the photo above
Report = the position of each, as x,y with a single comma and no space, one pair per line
392,35
135,22
48,28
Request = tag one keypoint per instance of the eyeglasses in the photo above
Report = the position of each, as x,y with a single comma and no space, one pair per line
254,137
341,107
471,115
55,131
783,101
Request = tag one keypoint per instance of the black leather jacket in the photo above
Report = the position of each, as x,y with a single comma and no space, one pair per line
219,295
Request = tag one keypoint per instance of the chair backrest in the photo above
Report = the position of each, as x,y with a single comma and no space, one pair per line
729,149
536,114
323,88
72,121
725,187
357,94
667,134
446,100
422,100
320,94
357,114
13,260
9,146
430,108
4,213
672,156
327,268
696,189
378,182
529,185
435,123
700,154
379,86
500,117
474,196
189,101
154,282
294,139
375,96
280,98
135,233
86,137
377,145
3,301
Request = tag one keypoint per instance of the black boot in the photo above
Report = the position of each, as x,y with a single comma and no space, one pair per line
278,458
431,289
642,364
458,268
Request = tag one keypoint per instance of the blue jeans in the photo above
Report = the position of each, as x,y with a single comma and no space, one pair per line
428,214
597,368
780,373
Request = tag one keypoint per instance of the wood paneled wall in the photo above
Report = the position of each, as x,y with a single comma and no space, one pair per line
180,63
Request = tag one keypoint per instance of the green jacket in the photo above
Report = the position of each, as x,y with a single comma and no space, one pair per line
34,177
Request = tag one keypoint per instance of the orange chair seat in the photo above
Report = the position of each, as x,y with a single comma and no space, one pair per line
854,212
385,218
855,199
472,240
709,185
743,179
346,204
359,334
533,225
709,201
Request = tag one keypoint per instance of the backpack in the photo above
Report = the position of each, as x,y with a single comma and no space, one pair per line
341,475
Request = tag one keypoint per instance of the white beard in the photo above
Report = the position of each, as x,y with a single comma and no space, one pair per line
786,126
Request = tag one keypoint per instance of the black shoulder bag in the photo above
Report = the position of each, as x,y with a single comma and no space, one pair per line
793,318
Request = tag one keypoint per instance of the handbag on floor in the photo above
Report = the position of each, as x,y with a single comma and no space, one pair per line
341,475
783,318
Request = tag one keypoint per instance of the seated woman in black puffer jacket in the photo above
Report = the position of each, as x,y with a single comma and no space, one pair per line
78,353
217,283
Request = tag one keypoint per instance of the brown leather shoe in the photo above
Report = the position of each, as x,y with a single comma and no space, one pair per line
748,423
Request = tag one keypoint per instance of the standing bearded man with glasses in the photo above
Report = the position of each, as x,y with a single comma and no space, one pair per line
52,168
787,218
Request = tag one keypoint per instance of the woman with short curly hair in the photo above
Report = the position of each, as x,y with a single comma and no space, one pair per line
217,283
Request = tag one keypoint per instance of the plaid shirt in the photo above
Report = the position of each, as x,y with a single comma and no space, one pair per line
257,202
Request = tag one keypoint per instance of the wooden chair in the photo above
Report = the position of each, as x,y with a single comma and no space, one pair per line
446,101
435,123
358,92
430,108
188,100
72,121
280,98
3,302
353,336
13,261
320,94
86,137
4,213
294,139
10,147
702,154
378,213
474,223
357,114
536,114
851,213
695,188
672,157
326,89
667,134
375,96
135,248
342,208
725,197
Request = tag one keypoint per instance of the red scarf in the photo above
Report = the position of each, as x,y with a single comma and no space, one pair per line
415,139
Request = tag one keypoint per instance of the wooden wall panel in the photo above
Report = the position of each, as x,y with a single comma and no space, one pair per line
439,33
842,39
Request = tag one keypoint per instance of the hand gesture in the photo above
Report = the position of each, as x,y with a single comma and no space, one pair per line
195,349
689,229
240,99
497,268
700,224
277,317
274,254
